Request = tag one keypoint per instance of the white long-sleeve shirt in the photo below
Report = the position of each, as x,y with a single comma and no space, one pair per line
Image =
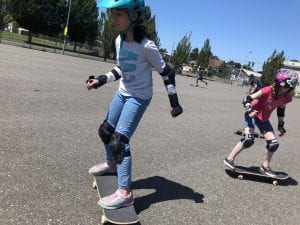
136,62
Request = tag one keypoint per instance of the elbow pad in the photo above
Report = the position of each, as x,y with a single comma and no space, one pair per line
114,74
280,112
168,75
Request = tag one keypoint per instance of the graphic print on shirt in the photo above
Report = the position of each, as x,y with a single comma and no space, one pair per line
127,61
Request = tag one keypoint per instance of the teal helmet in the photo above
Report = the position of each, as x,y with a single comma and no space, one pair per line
133,6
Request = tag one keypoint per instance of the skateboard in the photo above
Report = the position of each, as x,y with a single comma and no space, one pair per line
199,86
244,172
241,132
107,185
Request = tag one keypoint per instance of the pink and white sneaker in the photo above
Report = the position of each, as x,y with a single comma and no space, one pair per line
116,200
102,168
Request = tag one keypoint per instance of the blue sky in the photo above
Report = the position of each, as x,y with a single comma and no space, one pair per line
239,30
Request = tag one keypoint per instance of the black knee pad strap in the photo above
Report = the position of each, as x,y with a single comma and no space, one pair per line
117,146
105,132
272,145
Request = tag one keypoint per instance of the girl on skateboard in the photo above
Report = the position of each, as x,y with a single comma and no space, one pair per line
259,106
136,55
256,85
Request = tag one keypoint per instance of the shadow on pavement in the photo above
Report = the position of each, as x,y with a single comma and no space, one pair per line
166,190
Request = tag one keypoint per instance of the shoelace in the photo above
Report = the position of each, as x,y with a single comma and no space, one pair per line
100,165
113,196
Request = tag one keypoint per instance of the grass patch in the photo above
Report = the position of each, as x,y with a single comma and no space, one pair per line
55,44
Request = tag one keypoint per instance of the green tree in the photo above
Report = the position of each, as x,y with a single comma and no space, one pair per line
108,35
163,50
83,23
3,12
182,52
234,64
151,26
44,17
274,63
194,54
204,55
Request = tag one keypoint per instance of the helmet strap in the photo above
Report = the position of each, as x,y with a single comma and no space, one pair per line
124,32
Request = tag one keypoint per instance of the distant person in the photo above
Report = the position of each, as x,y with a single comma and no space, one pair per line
255,84
200,77
259,106
136,55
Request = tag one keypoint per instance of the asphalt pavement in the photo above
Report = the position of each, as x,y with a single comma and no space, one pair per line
49,139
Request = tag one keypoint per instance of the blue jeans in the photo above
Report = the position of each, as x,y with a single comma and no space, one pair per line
124,114
262,126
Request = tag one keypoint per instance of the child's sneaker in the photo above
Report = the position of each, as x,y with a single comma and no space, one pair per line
267,170
116,200
229,163
102,168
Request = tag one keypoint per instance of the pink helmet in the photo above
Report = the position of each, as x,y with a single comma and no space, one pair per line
286,78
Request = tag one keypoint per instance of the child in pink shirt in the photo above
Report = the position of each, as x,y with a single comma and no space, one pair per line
259,107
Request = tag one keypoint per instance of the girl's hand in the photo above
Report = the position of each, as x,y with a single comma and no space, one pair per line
91,83
253,113
175,111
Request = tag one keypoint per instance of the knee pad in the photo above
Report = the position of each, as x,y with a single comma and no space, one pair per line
105,132
117,146
247,140
272,145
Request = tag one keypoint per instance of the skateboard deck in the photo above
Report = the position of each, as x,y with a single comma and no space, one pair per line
199,86
241,132
107,185
242,172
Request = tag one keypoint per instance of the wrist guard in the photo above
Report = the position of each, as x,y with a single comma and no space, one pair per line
102,79
173,100
247,99
280,124
249,108
176,111
90,79
280,127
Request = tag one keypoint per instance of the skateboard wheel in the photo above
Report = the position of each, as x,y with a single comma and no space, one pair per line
240,177
94,184
275,182
103,220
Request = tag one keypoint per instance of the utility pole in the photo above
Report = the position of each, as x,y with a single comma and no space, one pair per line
66,27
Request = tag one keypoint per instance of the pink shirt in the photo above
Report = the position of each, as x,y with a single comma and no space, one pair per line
267,103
